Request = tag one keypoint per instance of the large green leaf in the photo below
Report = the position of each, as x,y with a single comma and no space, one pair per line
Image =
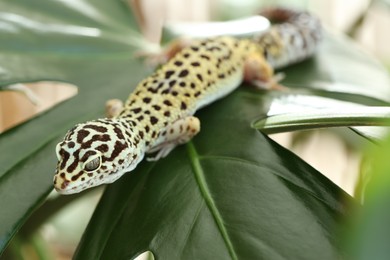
231,193
92,46
94,64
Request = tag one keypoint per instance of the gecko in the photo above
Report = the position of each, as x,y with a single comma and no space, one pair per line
159,113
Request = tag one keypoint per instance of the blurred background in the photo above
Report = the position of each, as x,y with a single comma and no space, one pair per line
365,21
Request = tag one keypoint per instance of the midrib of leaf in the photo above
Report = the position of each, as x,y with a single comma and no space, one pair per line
200,178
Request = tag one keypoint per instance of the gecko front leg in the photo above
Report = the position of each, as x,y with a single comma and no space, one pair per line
180,132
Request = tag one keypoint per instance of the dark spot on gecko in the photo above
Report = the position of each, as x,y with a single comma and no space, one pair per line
90,174
199,77
71,144
156,107
209,72
153,120
160,85
197,94
141,134
147,129
214,48
187,95
172,83
221,75
203,56
155,81
65,157
146,100
75,177
153,90
137,110
186,55
178,63
147,143
195,64
183,73
102,148
118,148
174,93
140,118
153,134
166,91
183,106
164,133
121,161
147,112
182,84
135,156
81,135
87,155
194,48
192,85
62,175
169,73
118,133
167,113
167,102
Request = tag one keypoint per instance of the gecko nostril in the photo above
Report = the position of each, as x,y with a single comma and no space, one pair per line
65,184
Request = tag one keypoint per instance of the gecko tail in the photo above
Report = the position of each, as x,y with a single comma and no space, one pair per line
294,36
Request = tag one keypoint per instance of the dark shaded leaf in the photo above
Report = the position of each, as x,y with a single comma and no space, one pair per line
231,193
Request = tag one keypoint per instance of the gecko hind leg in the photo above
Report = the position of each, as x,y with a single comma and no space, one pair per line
180,132
259,73
154,59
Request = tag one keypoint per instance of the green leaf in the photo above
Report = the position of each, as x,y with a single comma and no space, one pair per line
230,193
42,49
368,116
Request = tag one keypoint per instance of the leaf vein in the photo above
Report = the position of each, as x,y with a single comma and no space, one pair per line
200,178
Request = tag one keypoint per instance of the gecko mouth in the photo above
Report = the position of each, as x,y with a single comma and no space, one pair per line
64,187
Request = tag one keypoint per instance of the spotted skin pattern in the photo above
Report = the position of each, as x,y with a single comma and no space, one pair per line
158,115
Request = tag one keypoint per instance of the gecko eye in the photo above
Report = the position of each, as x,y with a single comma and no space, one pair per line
92,164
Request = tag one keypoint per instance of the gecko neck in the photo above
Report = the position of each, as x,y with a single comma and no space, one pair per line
132,133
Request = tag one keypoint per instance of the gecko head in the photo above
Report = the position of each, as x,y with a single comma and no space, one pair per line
94,153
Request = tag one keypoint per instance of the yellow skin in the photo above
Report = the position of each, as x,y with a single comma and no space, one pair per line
159,114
